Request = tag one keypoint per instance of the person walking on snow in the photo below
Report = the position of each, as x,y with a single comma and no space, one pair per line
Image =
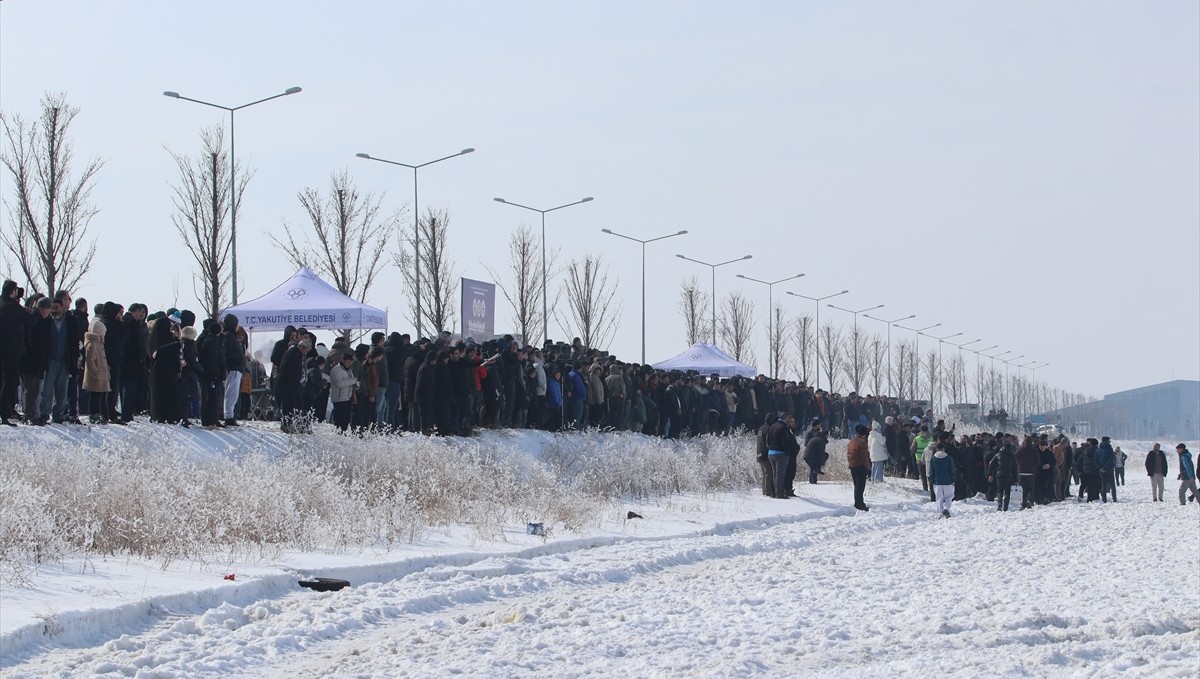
1187,475
1105,461
942,473
858,459
1156,469
1119,458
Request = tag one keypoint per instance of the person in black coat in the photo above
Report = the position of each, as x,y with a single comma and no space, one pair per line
165,364
189,375
235,365
1156,469
210,353
764,461
133,363
1002,470
291,374
396,350
412,364
114,353
424,393
814,450
782,444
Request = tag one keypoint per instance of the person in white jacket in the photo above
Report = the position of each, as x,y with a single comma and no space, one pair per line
877,444
342,384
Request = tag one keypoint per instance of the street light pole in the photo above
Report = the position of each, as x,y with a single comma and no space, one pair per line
233,196
714,287
545,308
854,342
416,218
932,390
818,300
891,388
917,349
770,305
643,243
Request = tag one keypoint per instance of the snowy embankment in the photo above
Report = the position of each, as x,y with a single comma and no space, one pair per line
714,581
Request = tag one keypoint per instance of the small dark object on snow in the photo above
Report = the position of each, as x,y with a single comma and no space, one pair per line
324,584
231,576
535,529
633,515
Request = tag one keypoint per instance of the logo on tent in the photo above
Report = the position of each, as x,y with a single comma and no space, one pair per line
695,356
345,318
297,293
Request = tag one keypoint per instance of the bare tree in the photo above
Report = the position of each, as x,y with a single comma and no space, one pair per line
904,369
856,359
693,302
201,217
877,355
439,283
524,294
590,308
956,378
348,239
735,326
806,343
830,346
51,206
778,339
932,372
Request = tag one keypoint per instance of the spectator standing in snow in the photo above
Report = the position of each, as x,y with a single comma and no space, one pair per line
1002,470
1119,458
1027,464
814,451
1156,469
942,473
781,442
858,459
1187,475
342,384
879,452
920,442
762,457
1105,461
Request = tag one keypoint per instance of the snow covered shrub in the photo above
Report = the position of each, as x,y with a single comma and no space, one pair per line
28,534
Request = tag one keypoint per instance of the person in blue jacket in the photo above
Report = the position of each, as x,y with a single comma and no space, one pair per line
942,473
1187,475
554,400
578,395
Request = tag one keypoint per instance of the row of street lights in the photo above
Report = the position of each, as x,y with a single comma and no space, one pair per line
774,369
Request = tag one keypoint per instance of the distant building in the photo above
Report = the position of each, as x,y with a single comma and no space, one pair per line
1170,410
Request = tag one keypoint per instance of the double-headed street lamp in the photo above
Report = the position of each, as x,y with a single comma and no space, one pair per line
643,242
917,351
416,219
856,313
770,314
932,390
545,309
233,196
818,300
714,287
891,389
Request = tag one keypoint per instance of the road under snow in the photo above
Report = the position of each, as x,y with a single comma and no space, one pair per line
1064,590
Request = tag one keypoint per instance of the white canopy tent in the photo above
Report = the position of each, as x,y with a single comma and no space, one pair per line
707,359
304,300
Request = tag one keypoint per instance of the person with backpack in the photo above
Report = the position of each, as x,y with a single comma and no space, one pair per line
1002,471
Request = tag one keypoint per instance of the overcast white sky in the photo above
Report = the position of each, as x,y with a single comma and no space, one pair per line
1027,173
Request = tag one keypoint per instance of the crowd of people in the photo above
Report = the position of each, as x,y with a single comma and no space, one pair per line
119,363
951,468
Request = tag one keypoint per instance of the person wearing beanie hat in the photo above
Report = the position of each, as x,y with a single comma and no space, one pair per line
858,459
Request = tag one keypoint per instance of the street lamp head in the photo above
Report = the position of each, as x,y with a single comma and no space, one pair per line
680,233
748,257
587,200
681,256
741,276
363,155
843,292
173,95
605,231
292,90
876,307
466,151
500,200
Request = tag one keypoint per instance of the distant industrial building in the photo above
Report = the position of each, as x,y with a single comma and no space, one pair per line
1170,410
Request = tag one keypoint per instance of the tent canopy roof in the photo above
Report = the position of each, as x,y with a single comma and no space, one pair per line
305,300
707,359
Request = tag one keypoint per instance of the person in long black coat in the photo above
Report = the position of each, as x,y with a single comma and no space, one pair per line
211,356
424,393
291,372
165,364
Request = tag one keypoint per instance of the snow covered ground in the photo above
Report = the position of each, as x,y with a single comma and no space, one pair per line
716,584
